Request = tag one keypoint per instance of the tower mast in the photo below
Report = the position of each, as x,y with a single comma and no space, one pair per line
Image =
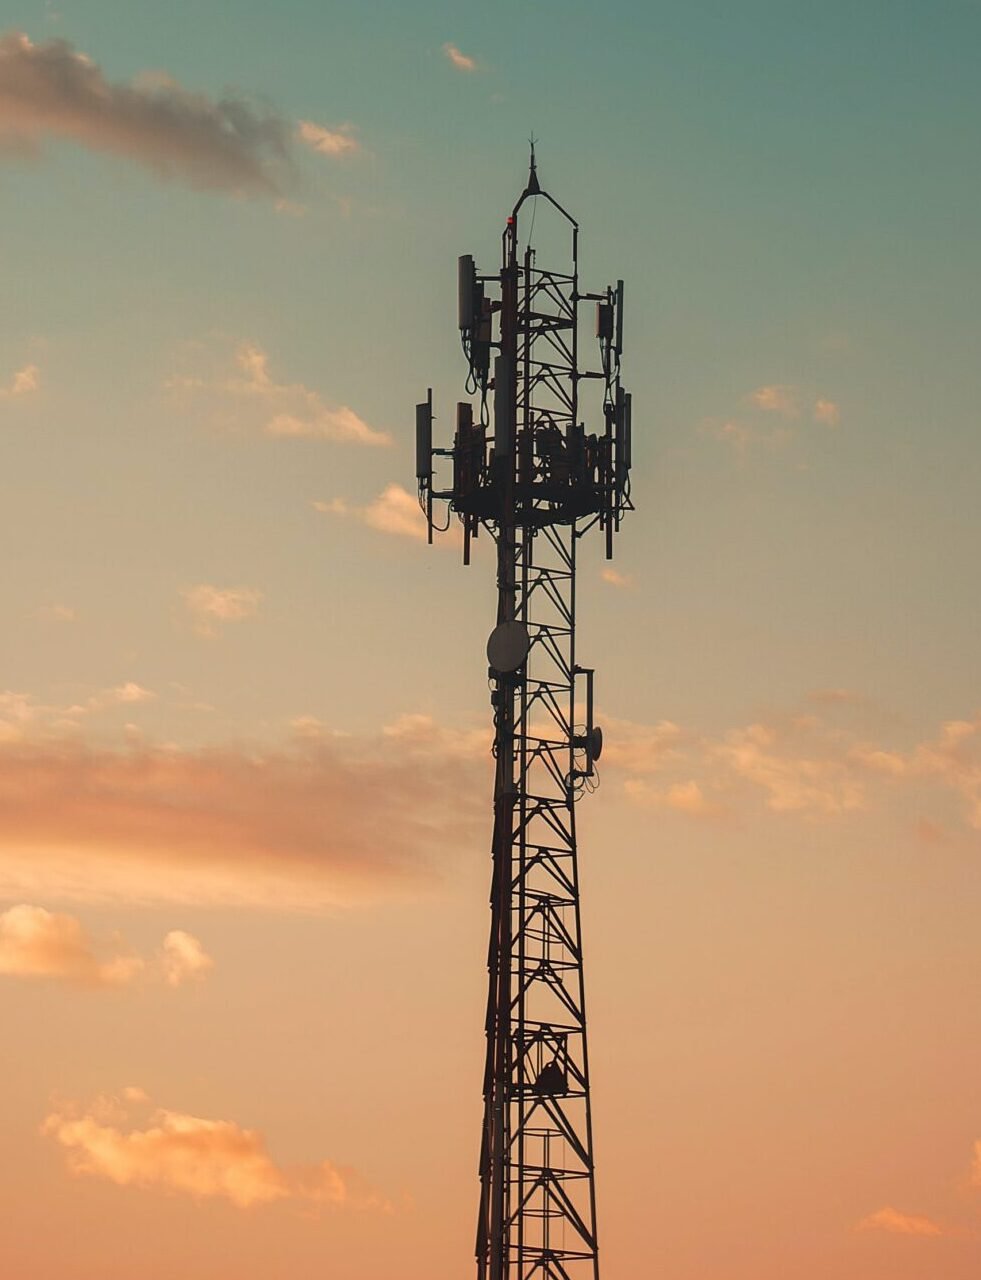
537,480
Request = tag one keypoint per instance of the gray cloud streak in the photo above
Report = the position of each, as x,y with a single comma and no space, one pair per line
226,144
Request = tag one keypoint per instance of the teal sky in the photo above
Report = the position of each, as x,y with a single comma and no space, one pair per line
790,194
782,879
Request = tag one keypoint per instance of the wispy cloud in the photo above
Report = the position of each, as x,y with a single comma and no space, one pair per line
394,511
644,748
327,819
462,61
339,141
742,436
283,410
51,90
331,818
615,578
185,1154
40,944
897,1222
56,613
797,764
755,426
776,398
129,692
904,1224
423,735
953,759
211,606
37,943
183,958
839,697
681,797
827,412
26,379
811,780
24,717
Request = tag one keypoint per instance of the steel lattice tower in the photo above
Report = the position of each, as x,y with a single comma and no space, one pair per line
537,481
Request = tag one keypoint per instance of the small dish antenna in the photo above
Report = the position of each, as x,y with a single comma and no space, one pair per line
508,646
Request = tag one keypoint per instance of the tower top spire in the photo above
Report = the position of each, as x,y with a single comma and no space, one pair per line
533,188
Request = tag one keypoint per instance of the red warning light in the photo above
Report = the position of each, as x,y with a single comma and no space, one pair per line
510,222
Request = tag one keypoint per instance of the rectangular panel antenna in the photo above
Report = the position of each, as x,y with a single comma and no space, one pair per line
466,279
424,439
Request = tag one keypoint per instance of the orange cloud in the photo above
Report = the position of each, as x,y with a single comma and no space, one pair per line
462,61
800,763
831,697
52,90
183,958
815,783
23,717
828,412
904,1224
328,142
28,379
36,943
640,748
681,797
284,410
329,819
333,818
423,735
615,578
394,511
892,763
129,692
954,760
740,436
56,613
210,605
777,399
205,1159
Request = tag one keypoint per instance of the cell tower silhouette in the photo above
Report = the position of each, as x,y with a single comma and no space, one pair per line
536,480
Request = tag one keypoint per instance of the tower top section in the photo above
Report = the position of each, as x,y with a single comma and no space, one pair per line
547,442
533,187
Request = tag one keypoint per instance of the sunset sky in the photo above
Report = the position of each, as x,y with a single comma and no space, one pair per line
244,728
